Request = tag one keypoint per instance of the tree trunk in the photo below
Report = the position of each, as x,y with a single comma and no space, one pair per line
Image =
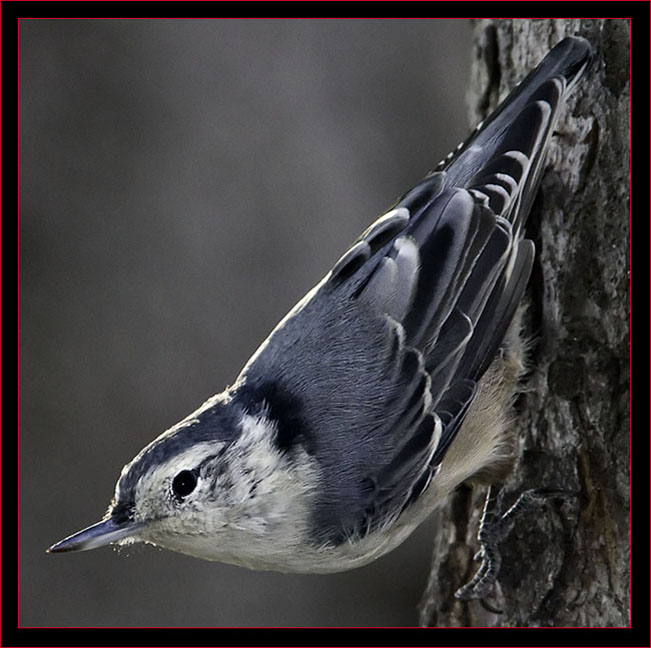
567,563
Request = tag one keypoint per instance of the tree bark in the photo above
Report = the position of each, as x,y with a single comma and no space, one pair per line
565,564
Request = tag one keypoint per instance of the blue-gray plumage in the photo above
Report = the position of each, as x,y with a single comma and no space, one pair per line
363,409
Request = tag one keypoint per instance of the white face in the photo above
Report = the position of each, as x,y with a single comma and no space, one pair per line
178,498
244,503
182,492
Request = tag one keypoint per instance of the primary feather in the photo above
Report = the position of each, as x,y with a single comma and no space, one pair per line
358,414
383,359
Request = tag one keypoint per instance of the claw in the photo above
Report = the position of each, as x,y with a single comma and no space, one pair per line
493,528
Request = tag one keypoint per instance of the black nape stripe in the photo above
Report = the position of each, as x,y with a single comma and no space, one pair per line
283,409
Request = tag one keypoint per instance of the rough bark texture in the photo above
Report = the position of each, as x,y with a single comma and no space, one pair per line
567,563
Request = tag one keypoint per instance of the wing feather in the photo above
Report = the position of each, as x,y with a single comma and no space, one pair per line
377,366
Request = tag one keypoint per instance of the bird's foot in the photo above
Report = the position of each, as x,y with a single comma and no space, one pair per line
493,528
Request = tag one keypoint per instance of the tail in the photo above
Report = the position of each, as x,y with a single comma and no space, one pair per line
449,265
502,160
463,263
498,168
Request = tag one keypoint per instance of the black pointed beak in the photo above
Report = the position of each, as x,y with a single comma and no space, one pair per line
98,535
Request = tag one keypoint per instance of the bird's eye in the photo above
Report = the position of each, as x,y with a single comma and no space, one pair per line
184,483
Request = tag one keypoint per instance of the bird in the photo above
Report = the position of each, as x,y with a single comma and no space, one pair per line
386,387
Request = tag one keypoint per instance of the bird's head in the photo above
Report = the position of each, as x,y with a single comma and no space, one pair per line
215,486
173,492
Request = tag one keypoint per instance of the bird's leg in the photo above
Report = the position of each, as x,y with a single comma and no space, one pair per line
493,528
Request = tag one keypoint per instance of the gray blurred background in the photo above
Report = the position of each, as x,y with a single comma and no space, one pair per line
182,184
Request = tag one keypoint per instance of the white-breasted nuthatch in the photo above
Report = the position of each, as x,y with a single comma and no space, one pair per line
388,385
